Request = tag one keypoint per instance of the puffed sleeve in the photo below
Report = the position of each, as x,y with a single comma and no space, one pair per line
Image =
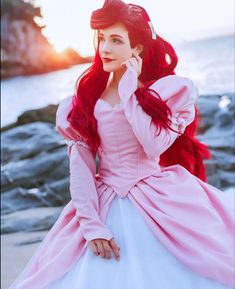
180,94
82,178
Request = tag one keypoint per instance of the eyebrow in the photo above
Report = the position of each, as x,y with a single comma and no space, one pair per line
112,35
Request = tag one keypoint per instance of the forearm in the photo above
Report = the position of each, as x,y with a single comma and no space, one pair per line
179,94
146,131
84,194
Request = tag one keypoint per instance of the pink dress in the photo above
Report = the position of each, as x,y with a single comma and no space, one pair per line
174,230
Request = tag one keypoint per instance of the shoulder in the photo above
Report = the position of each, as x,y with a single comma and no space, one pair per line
62,125
172,85
173,80
65,105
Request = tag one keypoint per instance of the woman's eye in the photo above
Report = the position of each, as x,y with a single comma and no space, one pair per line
115,40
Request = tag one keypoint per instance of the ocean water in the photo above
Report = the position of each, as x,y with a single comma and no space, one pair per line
208,62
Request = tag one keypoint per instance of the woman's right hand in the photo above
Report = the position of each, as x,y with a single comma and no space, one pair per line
104,248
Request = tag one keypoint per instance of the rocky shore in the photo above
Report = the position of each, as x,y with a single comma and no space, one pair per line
35,168
24,48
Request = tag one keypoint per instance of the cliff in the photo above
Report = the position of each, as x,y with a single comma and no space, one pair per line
24,49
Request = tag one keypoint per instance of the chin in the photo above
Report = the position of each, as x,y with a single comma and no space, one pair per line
111,68
108,69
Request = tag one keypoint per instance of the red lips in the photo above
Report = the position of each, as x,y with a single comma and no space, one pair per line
105,59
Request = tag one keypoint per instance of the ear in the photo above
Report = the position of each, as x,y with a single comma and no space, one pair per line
139,48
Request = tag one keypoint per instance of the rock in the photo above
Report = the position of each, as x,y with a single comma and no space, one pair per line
211,167
35,170
218,132
29,241
215,110
221,170
26,141
45,114
214,180
208,106
49,195
227,178
220,137
224,160
30,220
224,118
24,48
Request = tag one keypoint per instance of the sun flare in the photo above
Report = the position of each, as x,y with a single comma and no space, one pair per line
58,44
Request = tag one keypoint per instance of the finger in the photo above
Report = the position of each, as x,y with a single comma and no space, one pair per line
134,63
138,57
94,248
135,56
107,249
137,62
115,249
128,61
128,65
100,248
124,63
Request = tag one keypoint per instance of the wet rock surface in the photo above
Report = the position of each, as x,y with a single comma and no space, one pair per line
217,130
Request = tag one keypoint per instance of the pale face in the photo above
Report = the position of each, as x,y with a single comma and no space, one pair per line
114,44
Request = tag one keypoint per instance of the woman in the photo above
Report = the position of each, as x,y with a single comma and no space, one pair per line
148,219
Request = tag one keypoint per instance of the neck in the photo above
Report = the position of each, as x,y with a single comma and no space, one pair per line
115,78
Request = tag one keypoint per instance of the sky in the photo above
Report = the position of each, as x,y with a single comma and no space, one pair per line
67,21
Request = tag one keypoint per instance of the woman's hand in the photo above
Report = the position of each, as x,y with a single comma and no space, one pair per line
135,63
104,248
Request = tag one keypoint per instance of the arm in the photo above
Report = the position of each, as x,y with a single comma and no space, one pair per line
180,95
84,194
82,179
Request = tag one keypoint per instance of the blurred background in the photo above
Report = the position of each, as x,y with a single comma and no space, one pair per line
45,46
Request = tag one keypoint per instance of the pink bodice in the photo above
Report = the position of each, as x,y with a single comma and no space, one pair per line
122,160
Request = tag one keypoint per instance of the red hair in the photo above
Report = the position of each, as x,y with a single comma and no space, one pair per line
93,81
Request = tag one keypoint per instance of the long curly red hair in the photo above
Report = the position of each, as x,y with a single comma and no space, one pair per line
159,59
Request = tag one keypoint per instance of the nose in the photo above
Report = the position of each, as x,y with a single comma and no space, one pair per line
105,47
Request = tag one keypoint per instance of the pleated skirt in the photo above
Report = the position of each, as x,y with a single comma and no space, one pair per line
144,263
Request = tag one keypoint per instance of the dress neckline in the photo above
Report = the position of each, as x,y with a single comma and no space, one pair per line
111,107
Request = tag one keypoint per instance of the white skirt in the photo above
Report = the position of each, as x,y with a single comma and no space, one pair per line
144,262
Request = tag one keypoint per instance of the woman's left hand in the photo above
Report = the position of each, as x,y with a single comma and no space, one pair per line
135,63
